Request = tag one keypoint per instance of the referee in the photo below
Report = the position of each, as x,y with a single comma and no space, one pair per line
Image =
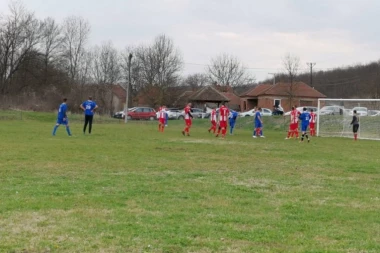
88,107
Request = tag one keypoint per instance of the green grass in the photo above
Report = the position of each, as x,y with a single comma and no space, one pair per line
128,188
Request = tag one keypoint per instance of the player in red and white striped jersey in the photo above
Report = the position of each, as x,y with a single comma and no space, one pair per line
161,118
313,119
223,117
188,118
213,121
293,127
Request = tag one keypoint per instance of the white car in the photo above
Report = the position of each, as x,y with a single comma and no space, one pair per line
266,112
361,111
300,109
332,110
251,113
248,113
373,113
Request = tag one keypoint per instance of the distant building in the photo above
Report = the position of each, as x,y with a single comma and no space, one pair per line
267,95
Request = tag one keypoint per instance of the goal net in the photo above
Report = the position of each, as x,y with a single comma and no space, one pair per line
335,115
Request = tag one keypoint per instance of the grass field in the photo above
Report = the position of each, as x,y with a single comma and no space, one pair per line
128,188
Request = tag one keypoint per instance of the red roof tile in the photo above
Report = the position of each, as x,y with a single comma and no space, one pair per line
234,99
256,91
299,89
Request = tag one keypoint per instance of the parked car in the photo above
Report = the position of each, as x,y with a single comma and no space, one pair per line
300,109
121,114
196,112
361,111
248,113
173,113
266,112
332,110
142,113
373,113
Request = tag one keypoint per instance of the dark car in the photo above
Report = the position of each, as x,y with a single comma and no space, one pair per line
142,113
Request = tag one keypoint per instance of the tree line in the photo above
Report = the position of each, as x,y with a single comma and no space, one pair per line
43,60
356,81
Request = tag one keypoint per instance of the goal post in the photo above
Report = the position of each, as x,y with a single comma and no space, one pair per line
335,115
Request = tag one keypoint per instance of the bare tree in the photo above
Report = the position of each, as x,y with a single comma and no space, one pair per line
50,44
75,35
196,80
158,67
20,32
291,64
228,70
106,71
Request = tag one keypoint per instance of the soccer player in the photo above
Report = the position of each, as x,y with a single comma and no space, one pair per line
233,116
162,118
188,117
293,127
258,123
62,118
313,119
223,115
213,121
355,125
88,107
305,118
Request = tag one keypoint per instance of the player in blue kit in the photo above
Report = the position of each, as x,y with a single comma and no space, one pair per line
88,107
258,124
62,118
305,118
232,120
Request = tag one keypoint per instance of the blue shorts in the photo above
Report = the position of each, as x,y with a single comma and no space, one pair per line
304,127
232,123
62,122
258,125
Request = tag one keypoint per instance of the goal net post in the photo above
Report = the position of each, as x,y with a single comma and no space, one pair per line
335,115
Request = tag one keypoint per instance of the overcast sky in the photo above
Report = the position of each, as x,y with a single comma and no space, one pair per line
331,33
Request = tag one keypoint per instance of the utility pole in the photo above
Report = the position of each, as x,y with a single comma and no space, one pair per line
274,77
311,64
128,88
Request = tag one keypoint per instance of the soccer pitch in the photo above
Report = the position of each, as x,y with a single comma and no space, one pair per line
129,188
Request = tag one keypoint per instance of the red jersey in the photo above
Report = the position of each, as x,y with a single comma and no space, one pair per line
187,111
223,113
313,117
213,115
294,116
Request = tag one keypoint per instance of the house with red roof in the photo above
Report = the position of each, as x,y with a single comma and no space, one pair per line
284,94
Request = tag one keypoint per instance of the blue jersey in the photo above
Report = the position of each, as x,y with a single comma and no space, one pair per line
89,107
258,123
305,118
62,111
257,117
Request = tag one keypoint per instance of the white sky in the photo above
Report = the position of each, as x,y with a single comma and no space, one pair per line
332,33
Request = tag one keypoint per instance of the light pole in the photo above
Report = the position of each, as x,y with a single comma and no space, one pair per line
128,86
274,77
